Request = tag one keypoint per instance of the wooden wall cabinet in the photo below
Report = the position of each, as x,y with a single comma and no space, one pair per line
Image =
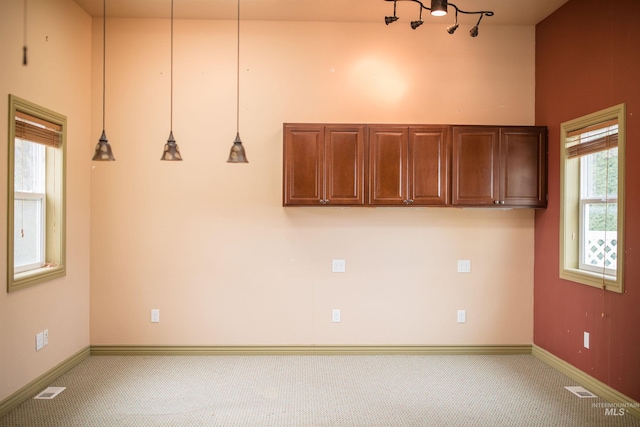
421,165
408,165
324,165
500,166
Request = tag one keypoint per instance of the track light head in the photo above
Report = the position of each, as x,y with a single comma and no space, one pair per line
438,7
389,19
452,28
474,31
416,24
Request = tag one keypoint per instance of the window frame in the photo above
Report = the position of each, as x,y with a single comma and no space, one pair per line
55,200
42,198
571,206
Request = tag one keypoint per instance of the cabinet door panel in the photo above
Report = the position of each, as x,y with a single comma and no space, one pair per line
475,166
523,157
303,165
387,165
428,165
344,151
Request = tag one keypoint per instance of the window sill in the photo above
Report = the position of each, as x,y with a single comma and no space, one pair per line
33,277
608,282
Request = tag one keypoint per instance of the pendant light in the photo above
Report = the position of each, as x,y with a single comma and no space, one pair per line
103,149
24,45
171,150
237,154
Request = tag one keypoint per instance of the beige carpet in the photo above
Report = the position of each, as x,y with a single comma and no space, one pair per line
255,391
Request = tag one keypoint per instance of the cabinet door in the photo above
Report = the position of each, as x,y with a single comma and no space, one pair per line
476,165
303,165
388,156
523,155
344,164
428,164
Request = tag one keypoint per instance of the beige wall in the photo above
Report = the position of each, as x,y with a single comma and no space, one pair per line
209,244
58,77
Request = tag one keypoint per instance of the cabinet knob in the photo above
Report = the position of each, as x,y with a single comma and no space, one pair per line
496,202
410,201
502,202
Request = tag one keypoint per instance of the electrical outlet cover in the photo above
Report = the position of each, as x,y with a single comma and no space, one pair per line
586,340
338,266
464,266
39,341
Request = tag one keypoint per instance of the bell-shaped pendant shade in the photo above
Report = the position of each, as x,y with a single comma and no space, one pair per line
171,150
237,154
103,149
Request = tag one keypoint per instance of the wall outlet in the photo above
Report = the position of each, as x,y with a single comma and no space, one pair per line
39,341
335,315
155,315
338,266
586,340
464,266
462,316
45,336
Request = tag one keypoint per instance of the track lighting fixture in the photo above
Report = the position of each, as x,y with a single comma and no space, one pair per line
389,19
453,27
416,24
474,31
439,8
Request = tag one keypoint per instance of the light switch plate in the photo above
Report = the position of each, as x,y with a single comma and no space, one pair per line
335,315
155,315
586,340
39,341
462,316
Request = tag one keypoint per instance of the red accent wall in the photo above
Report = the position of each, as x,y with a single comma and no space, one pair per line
588,59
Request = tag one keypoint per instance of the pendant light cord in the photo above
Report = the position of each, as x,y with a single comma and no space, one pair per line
104,58
24,47
238,76
171,115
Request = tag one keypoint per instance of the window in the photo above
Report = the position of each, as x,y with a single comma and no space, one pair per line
592,199
36,205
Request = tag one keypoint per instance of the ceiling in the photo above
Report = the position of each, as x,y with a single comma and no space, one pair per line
507,12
